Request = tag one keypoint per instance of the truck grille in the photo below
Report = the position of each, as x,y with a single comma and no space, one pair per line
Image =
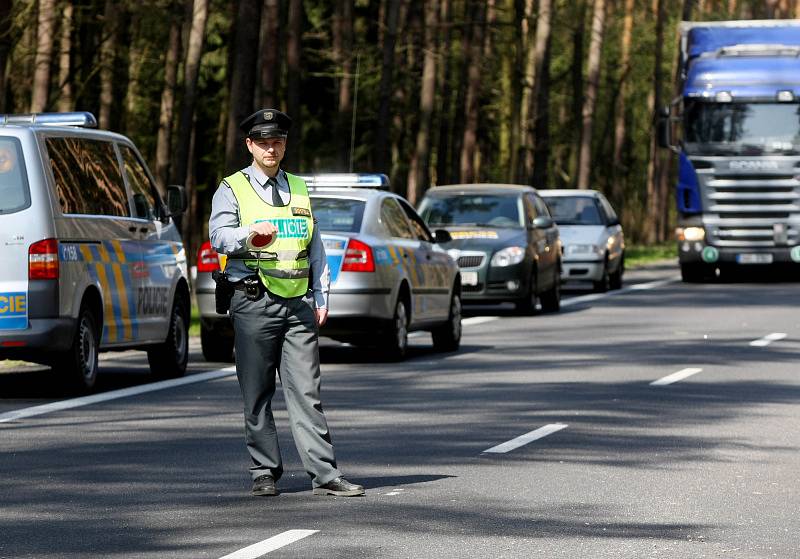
753,210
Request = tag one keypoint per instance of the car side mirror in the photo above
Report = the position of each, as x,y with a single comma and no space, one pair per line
543,222
176,200
442,236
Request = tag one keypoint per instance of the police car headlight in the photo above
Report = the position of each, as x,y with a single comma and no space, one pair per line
583,250
508,256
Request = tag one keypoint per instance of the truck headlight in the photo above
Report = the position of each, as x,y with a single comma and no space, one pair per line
690,233
508,256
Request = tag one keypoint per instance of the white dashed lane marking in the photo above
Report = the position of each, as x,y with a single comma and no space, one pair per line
766,340
113,395
265,546
522,440
675,377
394,492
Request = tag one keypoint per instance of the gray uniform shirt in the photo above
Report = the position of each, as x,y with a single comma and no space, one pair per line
228,236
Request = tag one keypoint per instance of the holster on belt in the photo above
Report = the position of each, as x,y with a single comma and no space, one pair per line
223,293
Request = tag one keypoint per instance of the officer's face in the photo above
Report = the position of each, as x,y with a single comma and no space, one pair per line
267,152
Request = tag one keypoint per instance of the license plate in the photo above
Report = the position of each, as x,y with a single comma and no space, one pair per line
759,258
469,278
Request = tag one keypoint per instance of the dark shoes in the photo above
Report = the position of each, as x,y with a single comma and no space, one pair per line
264,486
339,487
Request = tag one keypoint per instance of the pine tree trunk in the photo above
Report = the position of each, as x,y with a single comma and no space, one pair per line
107,55
294,152
541,154
269,54
194,50
576,69
245,29
654,167
469,147
589,104
44,56
516,84
163,142
64,102
538,106
617,182
381,148
418,176
343,41
521,169
444,88
5,48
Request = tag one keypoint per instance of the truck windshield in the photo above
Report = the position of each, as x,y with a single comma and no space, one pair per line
485,210
742,128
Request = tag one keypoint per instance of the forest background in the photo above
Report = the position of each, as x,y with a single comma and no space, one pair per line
551,93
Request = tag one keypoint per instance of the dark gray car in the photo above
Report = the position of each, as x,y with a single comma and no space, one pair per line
504,240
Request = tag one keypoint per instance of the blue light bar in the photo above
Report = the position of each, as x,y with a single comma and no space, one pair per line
347,180
82,119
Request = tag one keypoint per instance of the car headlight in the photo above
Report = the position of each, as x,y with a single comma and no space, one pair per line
690,233
583,250
508,256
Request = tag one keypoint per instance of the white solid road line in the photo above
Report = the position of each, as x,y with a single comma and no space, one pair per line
675,377
766,340
276,542
114,395
472,321
634,287
522,440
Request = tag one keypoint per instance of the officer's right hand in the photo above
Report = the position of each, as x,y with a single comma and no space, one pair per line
265,228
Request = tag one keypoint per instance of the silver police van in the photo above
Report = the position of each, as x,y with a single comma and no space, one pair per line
91,258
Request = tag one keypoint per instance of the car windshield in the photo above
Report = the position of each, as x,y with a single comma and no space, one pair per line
574,210
14,195
341,215
482,210
742,128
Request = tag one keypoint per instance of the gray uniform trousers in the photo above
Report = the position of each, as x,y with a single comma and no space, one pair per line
276,333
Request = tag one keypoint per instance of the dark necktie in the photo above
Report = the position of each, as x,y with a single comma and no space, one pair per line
276,196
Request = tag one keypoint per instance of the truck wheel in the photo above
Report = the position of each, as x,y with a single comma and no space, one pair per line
168,359
80,361
216,346
448,336
551,299
395,342
693,273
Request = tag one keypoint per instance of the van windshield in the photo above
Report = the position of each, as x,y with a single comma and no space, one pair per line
14,194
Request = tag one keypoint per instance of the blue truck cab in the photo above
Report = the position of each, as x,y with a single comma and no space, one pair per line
736,130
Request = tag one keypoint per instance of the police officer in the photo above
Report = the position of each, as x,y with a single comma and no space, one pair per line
278,304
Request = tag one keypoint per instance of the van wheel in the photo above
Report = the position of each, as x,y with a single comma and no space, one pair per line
80,361
551,299
395,342
216,347
168,359
448,336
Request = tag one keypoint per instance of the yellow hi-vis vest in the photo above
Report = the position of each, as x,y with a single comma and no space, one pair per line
284,266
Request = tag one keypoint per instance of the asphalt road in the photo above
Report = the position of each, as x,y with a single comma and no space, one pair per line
586,458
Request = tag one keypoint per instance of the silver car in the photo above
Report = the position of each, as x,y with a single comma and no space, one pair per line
389,274
594,246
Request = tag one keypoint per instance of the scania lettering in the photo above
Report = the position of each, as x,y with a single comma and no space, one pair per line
736,131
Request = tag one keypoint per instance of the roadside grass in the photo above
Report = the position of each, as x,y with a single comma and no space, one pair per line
640,255
194,322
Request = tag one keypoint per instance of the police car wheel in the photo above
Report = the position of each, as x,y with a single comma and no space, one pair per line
216,347
81,360
396,338
168,360
448,336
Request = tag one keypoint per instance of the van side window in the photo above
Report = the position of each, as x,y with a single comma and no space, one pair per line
14,194
144,200
88,178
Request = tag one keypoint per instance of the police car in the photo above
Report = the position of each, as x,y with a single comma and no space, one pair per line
389,274
91,257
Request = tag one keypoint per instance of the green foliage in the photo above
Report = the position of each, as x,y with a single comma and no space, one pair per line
640,255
